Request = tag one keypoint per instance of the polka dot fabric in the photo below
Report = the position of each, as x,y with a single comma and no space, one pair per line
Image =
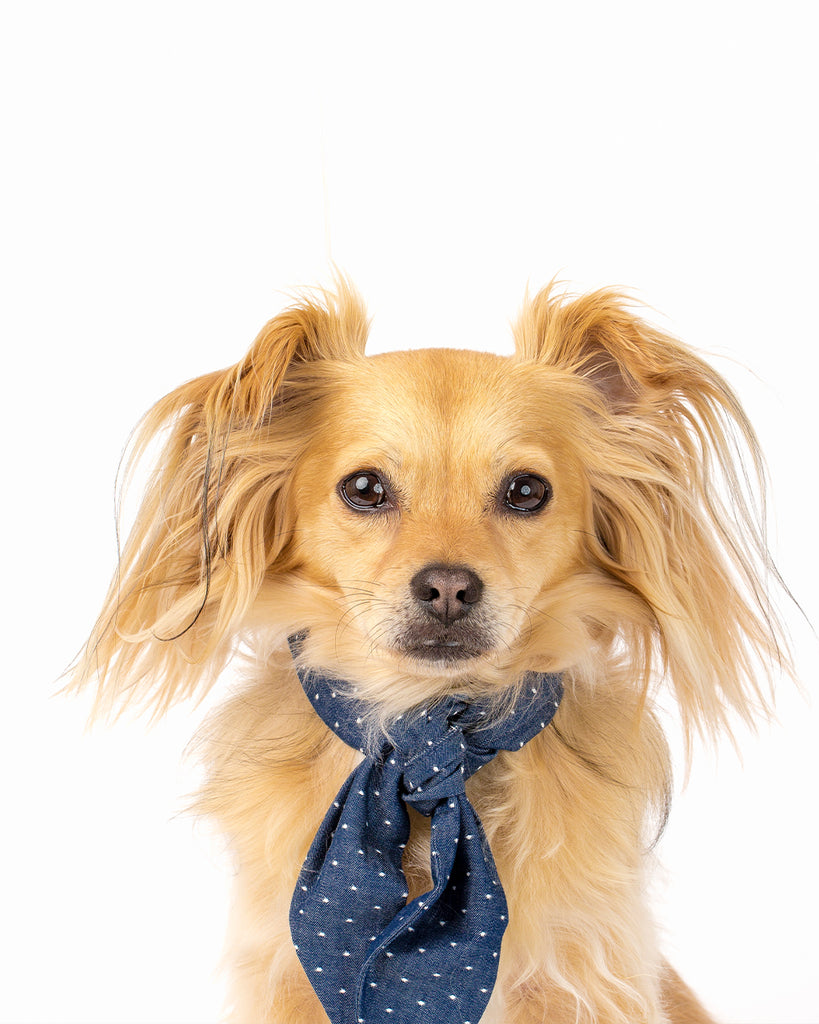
369,954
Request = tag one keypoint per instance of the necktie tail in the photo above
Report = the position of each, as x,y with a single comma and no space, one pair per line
446,962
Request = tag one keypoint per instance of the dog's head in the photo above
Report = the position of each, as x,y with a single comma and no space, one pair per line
439,503
444,519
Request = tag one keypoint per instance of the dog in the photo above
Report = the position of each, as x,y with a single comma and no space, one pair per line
431,530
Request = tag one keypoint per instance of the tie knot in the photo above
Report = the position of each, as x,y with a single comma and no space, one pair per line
435,771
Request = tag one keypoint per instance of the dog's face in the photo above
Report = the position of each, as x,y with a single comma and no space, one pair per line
441,498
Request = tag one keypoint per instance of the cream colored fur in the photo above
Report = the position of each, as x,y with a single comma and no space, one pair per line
644,569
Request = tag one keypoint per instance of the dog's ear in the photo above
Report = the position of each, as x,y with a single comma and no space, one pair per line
598,338
214,521
678,496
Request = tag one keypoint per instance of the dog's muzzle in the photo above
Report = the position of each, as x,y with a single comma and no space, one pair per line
446,620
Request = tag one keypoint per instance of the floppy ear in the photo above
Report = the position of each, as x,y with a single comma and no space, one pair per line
599,339
214,520
678,497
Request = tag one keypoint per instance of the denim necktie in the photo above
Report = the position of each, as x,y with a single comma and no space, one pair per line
370,956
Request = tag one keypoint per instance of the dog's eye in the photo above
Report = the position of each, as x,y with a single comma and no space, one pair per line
527,493
364,490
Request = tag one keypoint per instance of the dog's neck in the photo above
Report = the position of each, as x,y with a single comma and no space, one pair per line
352,893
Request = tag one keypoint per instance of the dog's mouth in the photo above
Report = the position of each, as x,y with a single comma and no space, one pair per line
444,645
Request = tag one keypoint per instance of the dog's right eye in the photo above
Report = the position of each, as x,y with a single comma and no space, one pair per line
364,490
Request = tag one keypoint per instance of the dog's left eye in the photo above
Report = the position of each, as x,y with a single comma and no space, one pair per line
527,493
364,490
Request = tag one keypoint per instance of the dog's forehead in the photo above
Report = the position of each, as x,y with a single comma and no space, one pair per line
430,407
452,388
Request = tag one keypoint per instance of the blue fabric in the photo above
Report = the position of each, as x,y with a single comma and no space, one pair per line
369,955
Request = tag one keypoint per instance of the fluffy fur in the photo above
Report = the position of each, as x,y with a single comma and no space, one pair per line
644,568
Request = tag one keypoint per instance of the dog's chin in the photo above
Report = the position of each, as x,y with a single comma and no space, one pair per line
449,653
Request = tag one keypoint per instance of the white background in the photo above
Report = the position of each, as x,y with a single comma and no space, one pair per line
169,171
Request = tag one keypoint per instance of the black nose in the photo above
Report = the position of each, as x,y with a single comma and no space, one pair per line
446,591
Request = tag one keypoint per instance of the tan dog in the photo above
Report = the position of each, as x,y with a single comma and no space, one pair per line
441,522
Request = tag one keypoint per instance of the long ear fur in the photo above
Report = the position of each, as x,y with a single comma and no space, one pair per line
214,520
678,495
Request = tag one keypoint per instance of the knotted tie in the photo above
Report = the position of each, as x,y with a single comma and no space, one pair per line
370,956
